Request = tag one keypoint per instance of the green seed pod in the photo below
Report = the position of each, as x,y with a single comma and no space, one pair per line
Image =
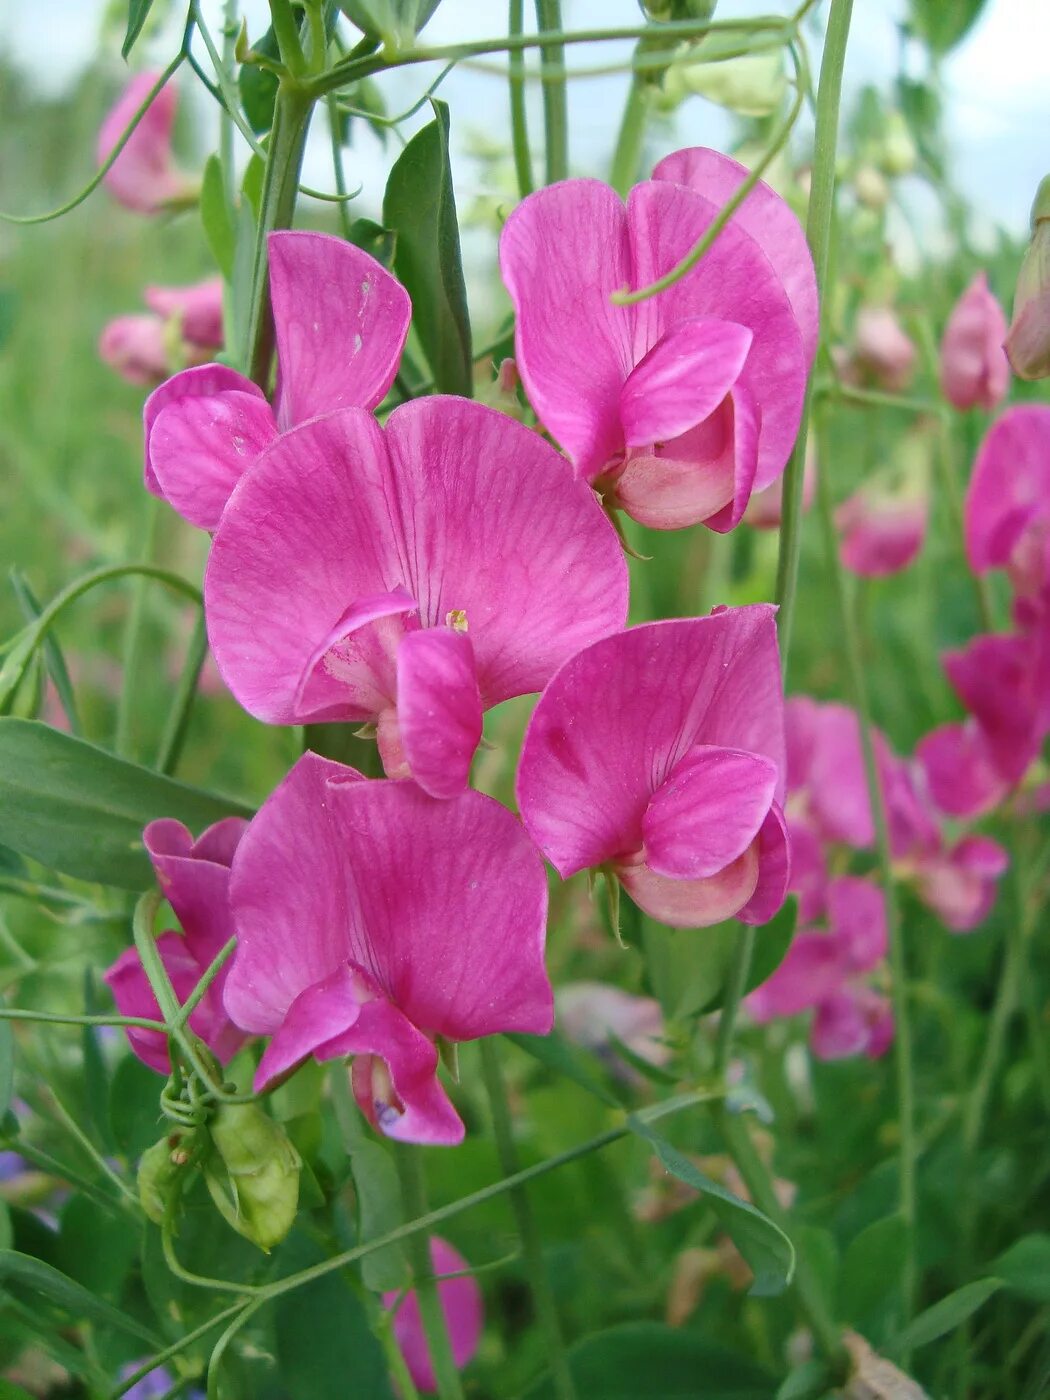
160,1174
261,1174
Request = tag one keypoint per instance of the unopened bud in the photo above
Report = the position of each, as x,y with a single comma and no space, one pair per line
897,151
665,10
871,187
752,84
260,1194
502,392
1027,342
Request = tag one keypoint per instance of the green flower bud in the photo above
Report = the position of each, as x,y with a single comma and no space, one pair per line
753,85
664,10
871,188
1027,342
897,151
258,1194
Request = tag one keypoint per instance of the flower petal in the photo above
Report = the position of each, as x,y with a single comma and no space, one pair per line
813,969
683,379
995,678
341,322
203,381
324,691
774,870
461,1304
857,918
1010,485
696,903
320,1013
418,1109
199,449
195,879
563,252
621,714
960,774
707,812
766,217
438,708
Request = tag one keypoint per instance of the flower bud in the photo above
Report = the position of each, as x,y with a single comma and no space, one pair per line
1028,339
897,151
883,350
871,188
883,524
974,368
752,85
135,347
262,1174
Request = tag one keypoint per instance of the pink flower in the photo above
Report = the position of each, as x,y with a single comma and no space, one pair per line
882,350
144,176
825,969
765,508
195,879
410,576
589,1011
1004,682
136,348
659,753
461,1304
825,771
1008,506
960,884
197,307
974,369
371,919
959,771
677,407
882,533
340,321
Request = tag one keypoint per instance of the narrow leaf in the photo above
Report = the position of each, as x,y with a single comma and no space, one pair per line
379,1211
80,810
138,13
558,1055
1025,1268
216,217
7,1066
946,1315
53,658
763,1244
49,1284
420,207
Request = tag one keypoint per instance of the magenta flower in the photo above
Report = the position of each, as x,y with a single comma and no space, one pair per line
370,920
144,176
975,372
136,348
678,407
959,771
1004,682
195,879
882,532
827,787
341,322
461,1304
197,308
825,970
658,753
1008,506
882,351
184,323
409,577
960,883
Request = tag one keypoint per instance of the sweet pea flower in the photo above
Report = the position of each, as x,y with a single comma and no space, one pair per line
975,372
370,920
678,407
1008,506
409,577
882,531
1004,682
195,879
824,970
461,1304
827,787
340,322
136,348
185,323
589,1011
959,771
882,351
196,308
658,754
144,176
960,884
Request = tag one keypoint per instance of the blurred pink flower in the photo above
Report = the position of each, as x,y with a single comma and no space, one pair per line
882,351
184,323
975,372
677,407
197,307
588,1011
959,771
144,176
370,920
1004,682
461,1304
659,753
136,348
960,883
882,533
340,322
195,879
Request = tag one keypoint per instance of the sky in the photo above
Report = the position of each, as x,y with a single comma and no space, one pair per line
998,92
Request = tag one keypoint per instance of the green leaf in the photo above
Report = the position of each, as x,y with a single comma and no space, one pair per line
318,1361
258,86
379,1211
13,1392
558,1055
138,13
34,1276
1025,1268
80,810
763,1244
945,1316
420,207
772,941
872,1268
943,23
216,217
640,1359
375,240
53,658
96,1248
811,1381
7,1066
134,1106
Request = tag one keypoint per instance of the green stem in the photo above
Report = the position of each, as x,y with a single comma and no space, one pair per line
899,990
178,722
286,32
89,1148
414,1195
543,1295
819,221
555,110
519,131
291,122
207,977
381,1321
739,968
56,1018
337,163
628,154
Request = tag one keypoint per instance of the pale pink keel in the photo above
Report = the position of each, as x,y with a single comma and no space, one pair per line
410,577
371,919
659,753
195,879
341,320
